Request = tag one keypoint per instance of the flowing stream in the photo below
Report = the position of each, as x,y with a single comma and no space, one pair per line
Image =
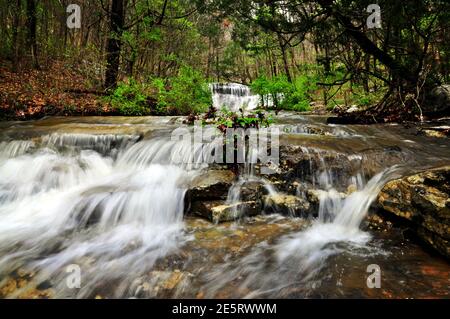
108,195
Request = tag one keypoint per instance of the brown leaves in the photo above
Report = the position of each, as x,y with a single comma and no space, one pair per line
58,90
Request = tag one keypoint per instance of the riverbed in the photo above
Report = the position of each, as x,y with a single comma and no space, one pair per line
104,194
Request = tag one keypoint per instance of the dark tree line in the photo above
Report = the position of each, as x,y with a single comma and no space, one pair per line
410,51
240,41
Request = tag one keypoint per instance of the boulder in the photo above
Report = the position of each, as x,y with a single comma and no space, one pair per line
212,185
286,205
312,166
252,191
423,201
297,162
220,211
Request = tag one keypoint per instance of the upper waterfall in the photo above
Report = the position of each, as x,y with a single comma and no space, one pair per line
233,96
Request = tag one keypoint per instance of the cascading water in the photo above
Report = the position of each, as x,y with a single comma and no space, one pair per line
110,217
109,144
14,148
233,96
113,204
342,226
252,152
296,260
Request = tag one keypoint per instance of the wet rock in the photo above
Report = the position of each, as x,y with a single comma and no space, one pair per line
252,191
423,200
351,189
321,167
315,166
219,211
21,288
315,196
439,131
312,130
375,222
375,160
286,204
438,101
162,284
308,165
212,185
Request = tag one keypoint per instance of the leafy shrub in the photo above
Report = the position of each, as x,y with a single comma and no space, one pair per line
299,97
186,93
272,91
130,99
366,99
285,95
228,119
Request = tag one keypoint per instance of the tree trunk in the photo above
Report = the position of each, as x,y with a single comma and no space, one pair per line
365,79
32,27
208,65
131,62
114,44
15,36
369,47
284,56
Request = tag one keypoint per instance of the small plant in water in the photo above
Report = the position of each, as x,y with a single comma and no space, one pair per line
225,120
228,119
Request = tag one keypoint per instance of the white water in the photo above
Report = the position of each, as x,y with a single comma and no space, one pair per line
113,218
297,259
233,96
72,200
14,148
344,217
105,144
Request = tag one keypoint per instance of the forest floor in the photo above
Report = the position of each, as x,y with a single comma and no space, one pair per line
62,90
58,90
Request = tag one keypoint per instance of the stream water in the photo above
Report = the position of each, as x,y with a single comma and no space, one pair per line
106,194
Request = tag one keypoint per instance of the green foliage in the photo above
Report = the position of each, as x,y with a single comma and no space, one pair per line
366,99
285,95
186,93
271,90
130,99
228,119
299,98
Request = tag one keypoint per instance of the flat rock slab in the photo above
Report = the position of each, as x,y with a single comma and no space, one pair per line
286,205
219,211
212,185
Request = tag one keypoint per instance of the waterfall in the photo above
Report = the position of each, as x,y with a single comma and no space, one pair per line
296,260
251,154
14,148
105,144
233,96
112,217
345,217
